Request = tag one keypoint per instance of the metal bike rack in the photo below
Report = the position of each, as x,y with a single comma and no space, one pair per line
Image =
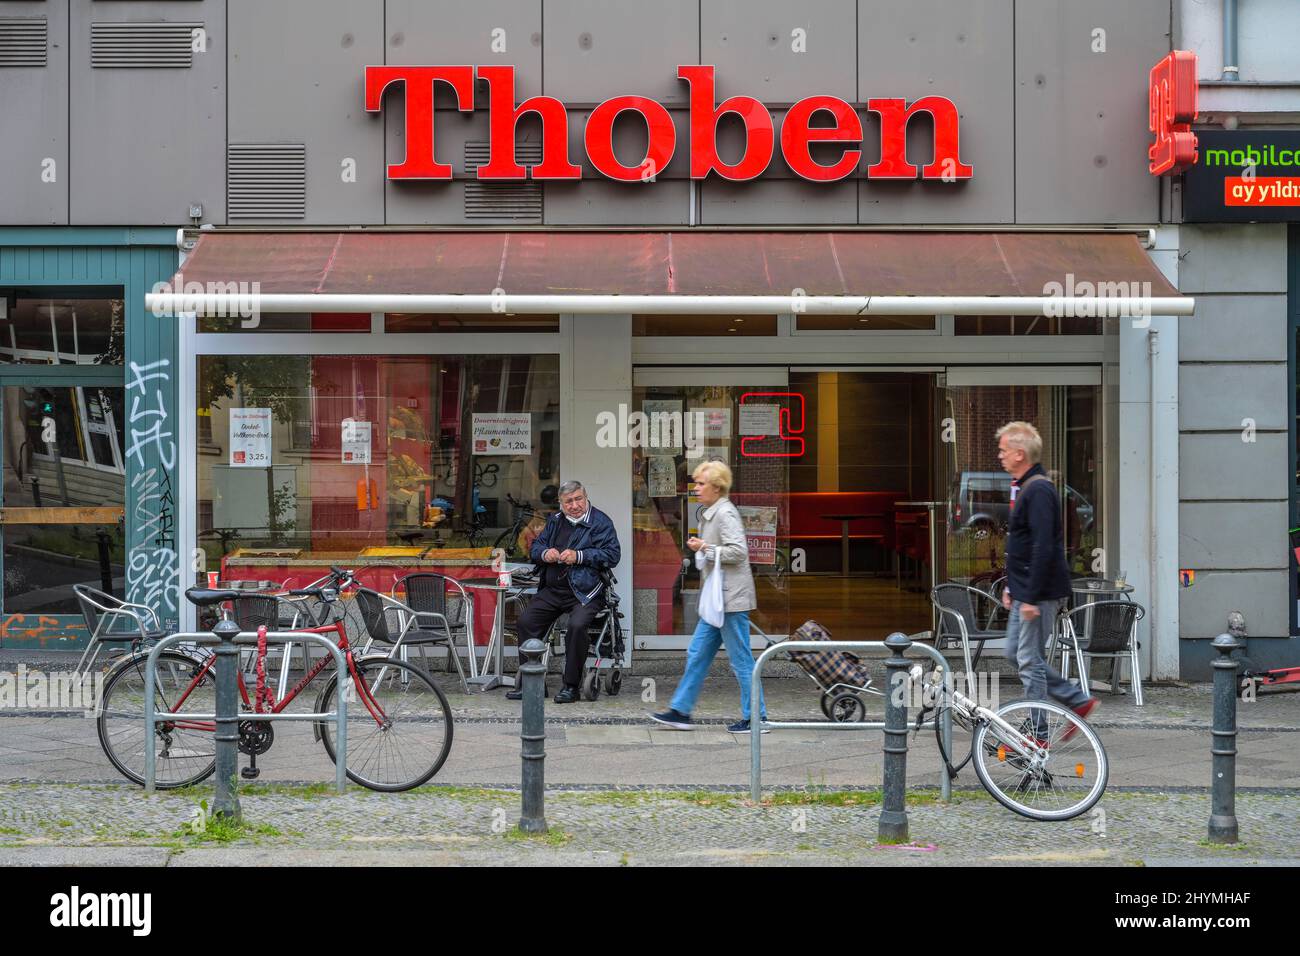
338,715
758,725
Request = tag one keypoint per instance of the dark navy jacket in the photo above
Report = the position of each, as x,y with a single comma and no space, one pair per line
596,543
1036,568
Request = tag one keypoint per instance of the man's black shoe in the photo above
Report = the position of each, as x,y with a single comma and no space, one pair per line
568,695
518,692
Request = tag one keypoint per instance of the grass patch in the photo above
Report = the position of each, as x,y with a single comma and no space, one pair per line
309,791
1231,847
10,831
551,837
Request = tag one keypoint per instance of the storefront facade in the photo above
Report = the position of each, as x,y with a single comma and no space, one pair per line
313,429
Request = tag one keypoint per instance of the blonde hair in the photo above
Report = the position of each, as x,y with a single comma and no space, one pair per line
1024,436
715,473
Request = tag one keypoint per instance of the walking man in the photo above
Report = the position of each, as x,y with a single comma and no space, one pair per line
1038,579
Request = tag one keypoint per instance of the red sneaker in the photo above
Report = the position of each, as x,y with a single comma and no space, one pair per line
1083,710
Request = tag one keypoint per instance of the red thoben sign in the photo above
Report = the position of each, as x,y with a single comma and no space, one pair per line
1172,111
797,132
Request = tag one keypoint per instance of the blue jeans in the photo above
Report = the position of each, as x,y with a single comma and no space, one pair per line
704,647
1026,641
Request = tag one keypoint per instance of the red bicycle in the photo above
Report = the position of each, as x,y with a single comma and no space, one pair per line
399,721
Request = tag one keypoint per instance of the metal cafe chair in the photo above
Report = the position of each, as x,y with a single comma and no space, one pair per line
375,607
1103,629
101,611
959,620
438,612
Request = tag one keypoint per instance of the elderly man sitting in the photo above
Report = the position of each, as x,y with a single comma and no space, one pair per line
577,543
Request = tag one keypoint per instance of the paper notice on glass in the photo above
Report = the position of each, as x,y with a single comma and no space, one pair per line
250,437
356,442
661,427
714,422
760,419
505,433
663,476
760,532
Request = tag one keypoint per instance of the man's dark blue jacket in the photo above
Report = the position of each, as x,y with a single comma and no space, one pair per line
595,541
1036,568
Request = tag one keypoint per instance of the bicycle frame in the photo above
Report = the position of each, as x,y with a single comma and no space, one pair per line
371,705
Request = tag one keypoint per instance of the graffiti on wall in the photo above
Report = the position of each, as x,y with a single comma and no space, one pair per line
153,566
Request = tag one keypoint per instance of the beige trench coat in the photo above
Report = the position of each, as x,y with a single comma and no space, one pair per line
721,527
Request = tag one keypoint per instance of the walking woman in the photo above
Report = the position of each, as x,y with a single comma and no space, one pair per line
722,532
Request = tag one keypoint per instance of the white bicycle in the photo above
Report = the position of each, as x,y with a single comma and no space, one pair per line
1035,757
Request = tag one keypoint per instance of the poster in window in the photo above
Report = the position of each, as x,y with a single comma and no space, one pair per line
503,433
662,426
760,419
250,437
663,476
356,442
760,532
716,424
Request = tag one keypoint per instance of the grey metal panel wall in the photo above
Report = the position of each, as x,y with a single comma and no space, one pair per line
1203,608
1218,466
35,102
1233,518
777,202
1081,131
483,33
779,51
297,75
595,49
592,203
147,143
961,49
1247,327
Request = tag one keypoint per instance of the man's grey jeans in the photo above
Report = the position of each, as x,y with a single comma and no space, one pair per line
1026,642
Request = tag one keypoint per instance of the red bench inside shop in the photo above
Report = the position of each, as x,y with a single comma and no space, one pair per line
809,524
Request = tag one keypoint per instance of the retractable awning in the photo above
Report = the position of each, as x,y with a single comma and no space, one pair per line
866,273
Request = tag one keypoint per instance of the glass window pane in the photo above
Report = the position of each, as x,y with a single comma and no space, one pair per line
63,446
676,325
58,328
865,323
1026,325
287,322
42,562
448,322
372,452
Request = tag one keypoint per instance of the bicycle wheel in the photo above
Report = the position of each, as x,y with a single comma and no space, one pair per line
408,740
185,751
1057,782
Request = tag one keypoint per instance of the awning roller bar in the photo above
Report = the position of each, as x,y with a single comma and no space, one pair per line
227,304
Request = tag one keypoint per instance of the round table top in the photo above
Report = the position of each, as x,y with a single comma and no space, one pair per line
851,517
921,504
1099,586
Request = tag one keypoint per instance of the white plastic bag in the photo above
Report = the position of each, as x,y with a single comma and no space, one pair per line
712,603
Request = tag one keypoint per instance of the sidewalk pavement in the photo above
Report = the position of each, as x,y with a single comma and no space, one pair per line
629,789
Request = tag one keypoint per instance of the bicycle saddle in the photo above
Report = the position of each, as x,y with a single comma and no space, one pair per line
204,597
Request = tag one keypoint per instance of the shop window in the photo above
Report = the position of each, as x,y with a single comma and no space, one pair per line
450,322
864,323
55,329
343,457
684,325
1026,325
287,322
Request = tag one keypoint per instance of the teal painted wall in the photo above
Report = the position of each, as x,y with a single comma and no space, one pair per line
134,260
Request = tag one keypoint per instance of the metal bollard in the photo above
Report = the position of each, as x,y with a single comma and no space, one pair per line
226,801
532,676
893,818
1223,785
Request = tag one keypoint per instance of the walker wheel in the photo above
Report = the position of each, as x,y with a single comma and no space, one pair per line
826,705
614,682
591,685
846,707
